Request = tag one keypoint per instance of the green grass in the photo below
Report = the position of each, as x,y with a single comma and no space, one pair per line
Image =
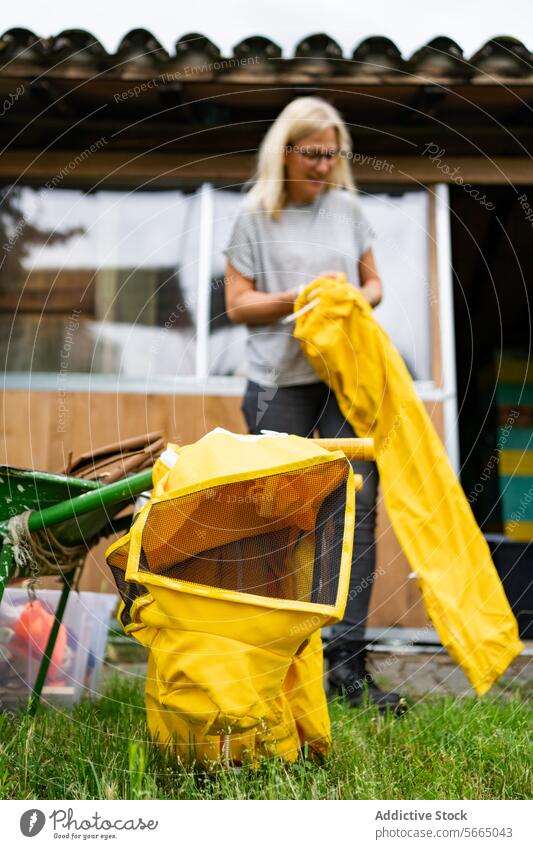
444,748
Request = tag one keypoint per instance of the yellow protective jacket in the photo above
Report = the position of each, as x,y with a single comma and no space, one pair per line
242,554
425,503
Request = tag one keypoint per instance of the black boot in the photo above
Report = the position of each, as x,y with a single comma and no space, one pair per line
348,677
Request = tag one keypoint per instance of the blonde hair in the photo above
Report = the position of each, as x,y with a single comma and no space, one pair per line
300,118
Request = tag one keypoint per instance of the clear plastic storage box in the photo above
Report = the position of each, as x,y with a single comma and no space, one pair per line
76,665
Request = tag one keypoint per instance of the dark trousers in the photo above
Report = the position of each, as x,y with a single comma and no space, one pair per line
301,410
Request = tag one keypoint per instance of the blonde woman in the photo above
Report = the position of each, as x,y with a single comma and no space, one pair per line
301,219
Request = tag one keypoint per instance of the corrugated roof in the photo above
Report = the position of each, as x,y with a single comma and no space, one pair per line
139,53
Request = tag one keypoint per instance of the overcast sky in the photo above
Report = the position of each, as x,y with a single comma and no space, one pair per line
410,23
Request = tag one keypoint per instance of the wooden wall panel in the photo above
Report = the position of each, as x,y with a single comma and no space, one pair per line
121,167
32,438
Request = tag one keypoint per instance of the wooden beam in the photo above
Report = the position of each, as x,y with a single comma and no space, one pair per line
127,167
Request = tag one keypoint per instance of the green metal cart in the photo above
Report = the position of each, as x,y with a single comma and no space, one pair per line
78,512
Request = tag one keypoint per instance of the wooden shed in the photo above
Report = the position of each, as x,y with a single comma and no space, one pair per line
120,175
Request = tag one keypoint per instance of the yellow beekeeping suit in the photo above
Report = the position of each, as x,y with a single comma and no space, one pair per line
424,500
242,554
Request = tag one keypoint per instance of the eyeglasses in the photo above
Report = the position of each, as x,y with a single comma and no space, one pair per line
313,155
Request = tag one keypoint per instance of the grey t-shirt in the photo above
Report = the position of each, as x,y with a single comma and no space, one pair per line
329,234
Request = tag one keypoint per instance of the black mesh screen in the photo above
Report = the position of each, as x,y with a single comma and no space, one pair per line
287,548
128,591
328,550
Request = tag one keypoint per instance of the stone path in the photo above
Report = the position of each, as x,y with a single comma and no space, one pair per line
431,674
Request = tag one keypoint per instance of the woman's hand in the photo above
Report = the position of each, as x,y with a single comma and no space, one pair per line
371,288
371,291
244,305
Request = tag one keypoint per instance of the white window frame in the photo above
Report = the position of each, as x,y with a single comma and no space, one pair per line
201,383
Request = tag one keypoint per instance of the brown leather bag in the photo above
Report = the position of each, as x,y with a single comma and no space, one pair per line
113,462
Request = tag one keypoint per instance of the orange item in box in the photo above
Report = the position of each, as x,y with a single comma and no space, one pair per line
33,627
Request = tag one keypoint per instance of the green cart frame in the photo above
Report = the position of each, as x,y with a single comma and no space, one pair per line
80,513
